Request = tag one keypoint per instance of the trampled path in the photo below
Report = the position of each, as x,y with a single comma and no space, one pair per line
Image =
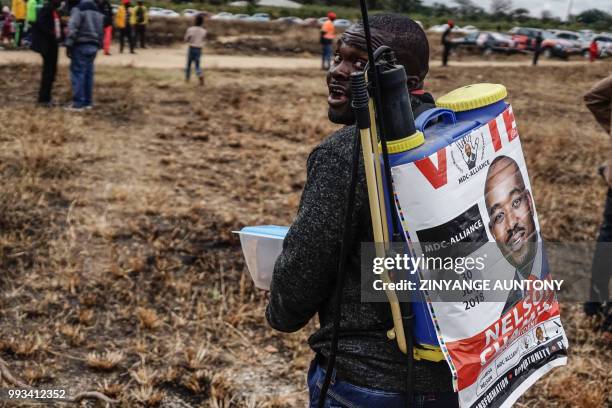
174,58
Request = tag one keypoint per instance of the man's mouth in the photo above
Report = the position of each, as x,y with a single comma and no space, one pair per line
338,95
516,240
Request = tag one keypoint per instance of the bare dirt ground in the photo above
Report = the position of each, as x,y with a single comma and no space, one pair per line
174,57
119,269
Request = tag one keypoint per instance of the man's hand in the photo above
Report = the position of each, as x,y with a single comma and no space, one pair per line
69,52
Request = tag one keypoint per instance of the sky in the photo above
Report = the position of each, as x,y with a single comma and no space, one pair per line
558,8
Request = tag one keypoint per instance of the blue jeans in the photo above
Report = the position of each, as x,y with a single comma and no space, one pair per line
345,395
82,74
193,56
326,55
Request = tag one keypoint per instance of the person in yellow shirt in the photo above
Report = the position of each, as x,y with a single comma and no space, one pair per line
18,8
328,34
123,22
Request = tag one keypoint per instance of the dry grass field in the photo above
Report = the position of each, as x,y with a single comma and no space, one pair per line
119,271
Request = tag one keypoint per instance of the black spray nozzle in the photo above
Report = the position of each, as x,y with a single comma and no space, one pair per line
360,99
395,98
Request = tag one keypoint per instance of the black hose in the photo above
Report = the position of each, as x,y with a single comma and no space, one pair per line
344,248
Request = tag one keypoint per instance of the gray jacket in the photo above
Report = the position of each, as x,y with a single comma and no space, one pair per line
86,25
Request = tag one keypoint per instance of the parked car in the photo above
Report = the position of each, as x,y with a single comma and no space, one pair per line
161,12
191,12
224,15
552,46
321,20
440,28
468,29
243,17
486,42
524,38
259,17
604,45
341,22
290,20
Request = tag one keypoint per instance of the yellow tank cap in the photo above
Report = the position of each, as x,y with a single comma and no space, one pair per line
407,143
472,97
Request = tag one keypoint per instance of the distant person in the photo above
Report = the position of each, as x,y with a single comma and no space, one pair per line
85,38
123,22
593,51
106,9
537,49
599,101
328,34
46,37
140,20
33,7
6,35
447,44
18,8
194,36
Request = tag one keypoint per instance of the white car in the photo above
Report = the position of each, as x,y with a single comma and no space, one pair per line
259,17
342,23
290,20
191,12
161,12
224,15
240,17
440,28
467,29
170,13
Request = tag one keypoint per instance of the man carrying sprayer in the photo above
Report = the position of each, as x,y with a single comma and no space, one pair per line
599,101
370,369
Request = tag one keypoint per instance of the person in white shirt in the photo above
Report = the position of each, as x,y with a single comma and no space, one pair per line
195,36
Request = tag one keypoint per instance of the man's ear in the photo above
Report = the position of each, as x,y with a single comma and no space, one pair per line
529,200
413,82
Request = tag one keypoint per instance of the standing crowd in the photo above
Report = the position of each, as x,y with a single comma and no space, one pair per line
83,26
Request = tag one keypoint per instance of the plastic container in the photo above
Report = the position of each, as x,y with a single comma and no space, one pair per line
458,113
261,246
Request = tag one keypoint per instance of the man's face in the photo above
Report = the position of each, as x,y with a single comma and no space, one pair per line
510,211
468,150
347,59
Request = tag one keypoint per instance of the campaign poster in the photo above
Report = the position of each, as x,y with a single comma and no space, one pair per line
473,198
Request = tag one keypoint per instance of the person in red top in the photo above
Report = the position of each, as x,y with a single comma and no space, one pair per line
593,51
328,34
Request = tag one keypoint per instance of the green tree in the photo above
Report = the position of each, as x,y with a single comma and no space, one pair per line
594,16
405,6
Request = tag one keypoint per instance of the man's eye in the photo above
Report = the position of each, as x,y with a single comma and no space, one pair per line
337,58
516,202
499,217
360,65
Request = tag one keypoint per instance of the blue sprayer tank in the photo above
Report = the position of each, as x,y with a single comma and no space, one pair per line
457,114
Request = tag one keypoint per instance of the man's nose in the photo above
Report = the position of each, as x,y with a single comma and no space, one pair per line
512,222
341,71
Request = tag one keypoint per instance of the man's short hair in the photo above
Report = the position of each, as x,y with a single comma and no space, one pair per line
407,39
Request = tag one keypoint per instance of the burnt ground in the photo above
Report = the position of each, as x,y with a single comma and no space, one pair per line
119,269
